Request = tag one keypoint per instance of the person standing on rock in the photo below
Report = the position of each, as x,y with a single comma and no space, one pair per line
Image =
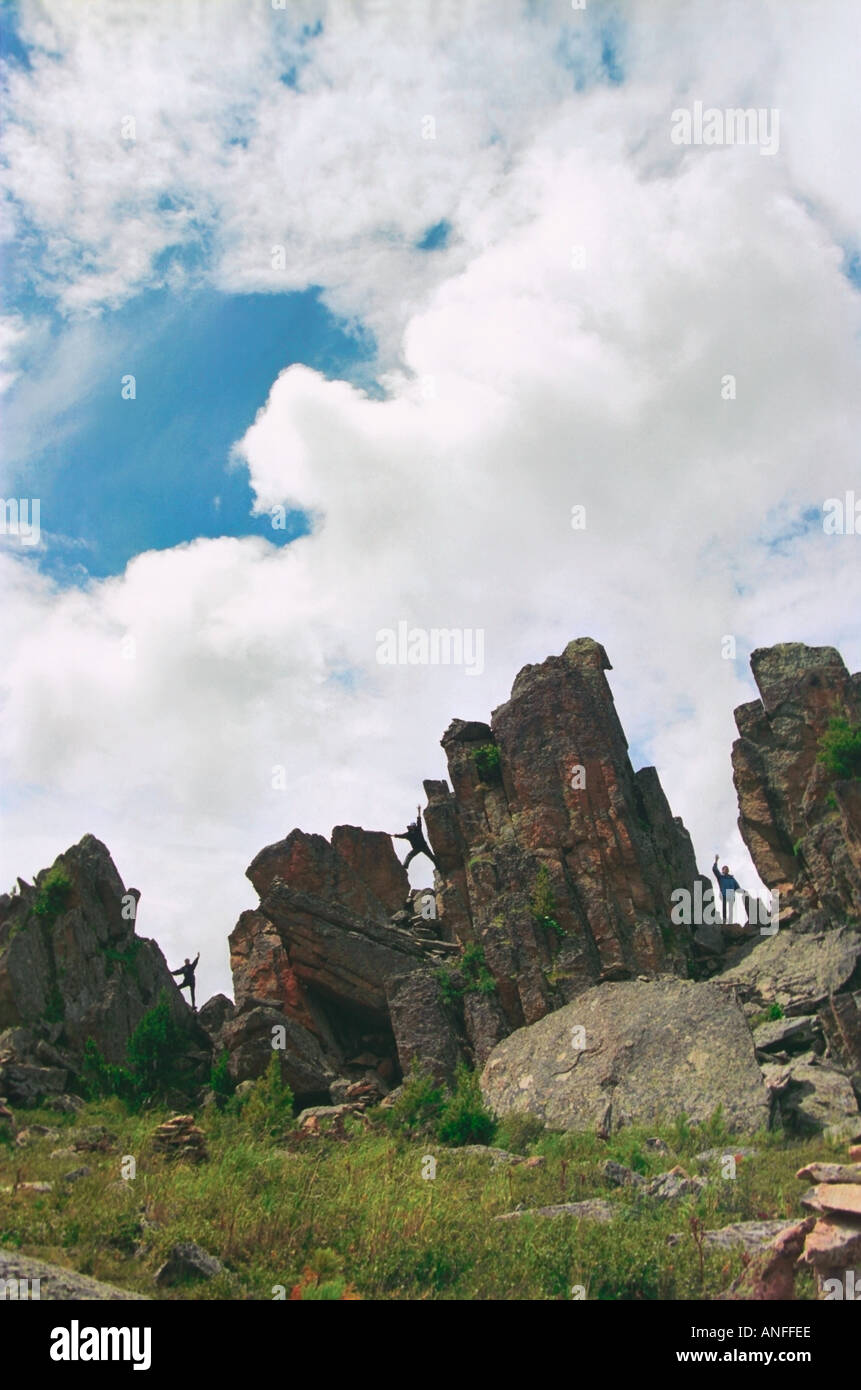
728,888
418,843
187,973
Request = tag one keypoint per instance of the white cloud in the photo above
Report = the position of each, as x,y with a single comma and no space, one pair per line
518,386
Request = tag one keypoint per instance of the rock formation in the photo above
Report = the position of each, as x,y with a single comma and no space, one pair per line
556,865
801,824
72,968
556,857
556,869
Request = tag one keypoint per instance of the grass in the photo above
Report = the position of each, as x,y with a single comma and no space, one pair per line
340,1219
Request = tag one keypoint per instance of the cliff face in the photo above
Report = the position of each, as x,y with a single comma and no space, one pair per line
72,968
555,868
801,824
549,823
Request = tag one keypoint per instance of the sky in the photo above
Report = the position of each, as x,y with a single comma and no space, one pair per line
323,318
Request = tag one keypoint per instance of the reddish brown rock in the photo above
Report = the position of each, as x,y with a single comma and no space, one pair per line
359,870
609,852
801,825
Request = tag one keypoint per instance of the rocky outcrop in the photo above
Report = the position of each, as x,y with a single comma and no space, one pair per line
632,1052
801,824
328,955
554,854
73,969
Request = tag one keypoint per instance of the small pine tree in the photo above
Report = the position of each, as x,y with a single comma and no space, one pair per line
268,1112
465,1118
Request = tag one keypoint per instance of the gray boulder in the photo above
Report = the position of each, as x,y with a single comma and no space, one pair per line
651,1050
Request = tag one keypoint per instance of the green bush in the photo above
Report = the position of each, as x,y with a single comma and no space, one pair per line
53,894
420,1103
775,1011
486,759
268,1111
153,1052
101,1078
220,1080
478,978
543,902
465,1118
840,749
153,1061
518,1132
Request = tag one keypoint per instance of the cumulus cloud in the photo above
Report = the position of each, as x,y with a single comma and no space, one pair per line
570,346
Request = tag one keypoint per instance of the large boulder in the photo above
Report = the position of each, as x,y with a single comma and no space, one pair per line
632,1052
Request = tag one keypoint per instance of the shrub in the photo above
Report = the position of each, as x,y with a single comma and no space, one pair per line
220,1080
775,1011
465,1118
840,749
153,1065
478,977
268,1111
420,1103
486,759
543,902
101,1078
53,894
153,1051
518,1132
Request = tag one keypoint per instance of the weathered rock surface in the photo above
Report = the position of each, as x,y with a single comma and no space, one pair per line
652,1049
58,1284
594,1209
72,969
812,1097
798,970
549,823
187,1261
802,827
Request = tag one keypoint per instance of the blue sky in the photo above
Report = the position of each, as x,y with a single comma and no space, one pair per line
127,475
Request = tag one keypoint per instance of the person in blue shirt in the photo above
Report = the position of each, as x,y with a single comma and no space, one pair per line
728,888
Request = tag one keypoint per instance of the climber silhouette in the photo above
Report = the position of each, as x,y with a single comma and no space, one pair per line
187,973
728,886
418,843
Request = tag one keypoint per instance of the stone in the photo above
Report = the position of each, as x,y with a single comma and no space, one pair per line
594,1209
782,1033
423,1027
249,1035
60,1285
752,1236
669,1187
617,1175
813,1098
213,1015
77,1173
180,1137
833,1243
651,1051
839,1197
187,1261
831,1172
33,1133
92,1139
798,970
770,1276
